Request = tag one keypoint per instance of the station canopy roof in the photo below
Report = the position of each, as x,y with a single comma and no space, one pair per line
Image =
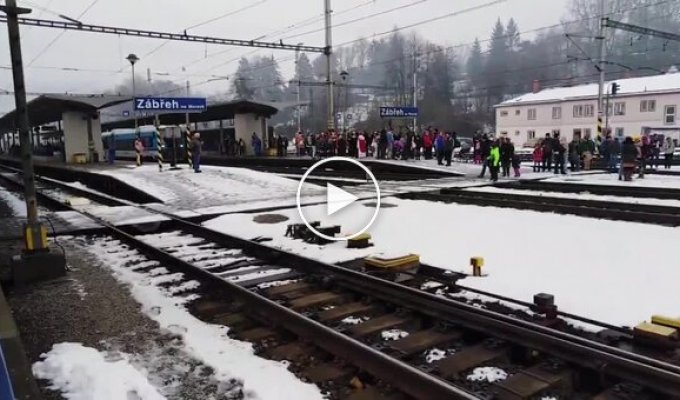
215,112
50,107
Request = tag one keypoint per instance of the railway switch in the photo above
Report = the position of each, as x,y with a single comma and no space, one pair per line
544,303
477,264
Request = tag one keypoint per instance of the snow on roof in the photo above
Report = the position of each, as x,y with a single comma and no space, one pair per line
630,86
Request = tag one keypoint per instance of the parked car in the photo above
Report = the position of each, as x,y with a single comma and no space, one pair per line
525,153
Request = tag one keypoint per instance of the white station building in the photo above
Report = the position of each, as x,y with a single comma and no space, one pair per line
645,105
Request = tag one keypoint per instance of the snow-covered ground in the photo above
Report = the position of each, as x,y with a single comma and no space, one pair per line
456,167
216,186
83,373
581,196
650,180
16,204
584,262
230,359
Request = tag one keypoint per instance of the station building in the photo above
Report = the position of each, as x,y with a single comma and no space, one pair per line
644,105
68,128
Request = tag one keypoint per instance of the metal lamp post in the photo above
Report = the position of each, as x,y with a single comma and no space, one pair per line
132,58
344,75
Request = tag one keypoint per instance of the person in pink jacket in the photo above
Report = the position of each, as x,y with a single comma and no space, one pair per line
361,146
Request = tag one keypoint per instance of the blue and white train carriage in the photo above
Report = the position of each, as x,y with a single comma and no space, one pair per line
124,140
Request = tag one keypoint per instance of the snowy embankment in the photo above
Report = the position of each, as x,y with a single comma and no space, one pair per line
230,359
585,263
649,181
579,196
83,373
216,186
16,204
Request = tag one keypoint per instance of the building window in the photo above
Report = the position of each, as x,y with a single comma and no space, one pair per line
586,132
588,110
517,112
531,114
531,135
669,115
648,106
577,134
620,108
619,132
557,113
504,113
578,111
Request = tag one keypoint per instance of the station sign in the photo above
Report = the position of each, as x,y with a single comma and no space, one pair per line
398,112
171,104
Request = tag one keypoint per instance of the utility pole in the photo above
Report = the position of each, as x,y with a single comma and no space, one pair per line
36,262
329,64
157,120
415,89
297,67
186,116
12,12
603,62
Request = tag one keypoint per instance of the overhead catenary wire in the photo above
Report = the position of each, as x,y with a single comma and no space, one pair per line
51,43
363,18
206,22
533,30
439,49
296,25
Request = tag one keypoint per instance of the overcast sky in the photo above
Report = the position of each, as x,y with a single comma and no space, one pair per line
100,58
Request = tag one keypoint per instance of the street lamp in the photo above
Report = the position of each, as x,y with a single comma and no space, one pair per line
344,75
132,58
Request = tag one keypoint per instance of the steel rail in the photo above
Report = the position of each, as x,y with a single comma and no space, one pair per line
605,210
608,360
646,192
400,375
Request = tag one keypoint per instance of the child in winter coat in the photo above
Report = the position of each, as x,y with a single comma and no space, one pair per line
494,160
538,157
516,164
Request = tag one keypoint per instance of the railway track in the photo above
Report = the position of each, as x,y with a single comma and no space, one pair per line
376,334
612,190
612,210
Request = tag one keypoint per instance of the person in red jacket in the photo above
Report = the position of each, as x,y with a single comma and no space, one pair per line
427,144
538,156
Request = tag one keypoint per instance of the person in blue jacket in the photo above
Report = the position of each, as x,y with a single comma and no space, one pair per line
439,145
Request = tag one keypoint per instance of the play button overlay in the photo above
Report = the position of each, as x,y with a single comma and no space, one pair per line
337,199
353,208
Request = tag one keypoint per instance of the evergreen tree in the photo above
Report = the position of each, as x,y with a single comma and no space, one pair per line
241,85
495,65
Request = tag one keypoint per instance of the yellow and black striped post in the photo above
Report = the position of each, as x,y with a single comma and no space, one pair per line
138,152
159,149
190,156
599,126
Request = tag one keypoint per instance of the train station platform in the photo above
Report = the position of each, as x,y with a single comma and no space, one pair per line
220,189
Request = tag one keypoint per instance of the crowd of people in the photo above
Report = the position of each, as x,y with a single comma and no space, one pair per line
384,144
553,153
495,155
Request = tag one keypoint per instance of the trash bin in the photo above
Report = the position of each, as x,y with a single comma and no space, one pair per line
80,158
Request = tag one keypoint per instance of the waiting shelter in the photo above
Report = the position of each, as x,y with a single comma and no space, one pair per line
77,131
248,117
